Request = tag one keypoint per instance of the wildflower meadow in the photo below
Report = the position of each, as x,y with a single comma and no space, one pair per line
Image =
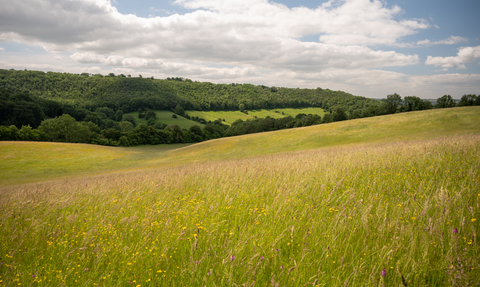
388,214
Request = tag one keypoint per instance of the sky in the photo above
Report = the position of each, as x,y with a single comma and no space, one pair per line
370,48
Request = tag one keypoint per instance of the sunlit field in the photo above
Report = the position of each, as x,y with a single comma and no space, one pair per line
165,117
232,116
398,213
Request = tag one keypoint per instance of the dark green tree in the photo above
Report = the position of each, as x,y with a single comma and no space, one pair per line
339,114
467,100
129,118
179,110
150,115
413,103
445,101
393,102
327,118
118,115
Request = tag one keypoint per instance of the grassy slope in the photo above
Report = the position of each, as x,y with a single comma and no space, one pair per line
165,117
390,128
332,216
232,116
27,162
34,161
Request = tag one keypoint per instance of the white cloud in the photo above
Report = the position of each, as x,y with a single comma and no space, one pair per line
241,33
464,55
165,67
243,41
2,49
449,41
87,58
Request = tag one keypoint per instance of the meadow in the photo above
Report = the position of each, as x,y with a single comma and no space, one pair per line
366,205
165,117
231,116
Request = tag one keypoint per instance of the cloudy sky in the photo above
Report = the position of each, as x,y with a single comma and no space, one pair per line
370,48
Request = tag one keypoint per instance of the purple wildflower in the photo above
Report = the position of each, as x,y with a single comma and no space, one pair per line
232,258
261,258
196,262
281,267
33,275
384,272
455,230
86,269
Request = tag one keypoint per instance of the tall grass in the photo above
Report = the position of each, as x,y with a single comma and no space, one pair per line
327,217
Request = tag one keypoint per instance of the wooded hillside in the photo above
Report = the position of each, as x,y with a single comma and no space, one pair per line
130,94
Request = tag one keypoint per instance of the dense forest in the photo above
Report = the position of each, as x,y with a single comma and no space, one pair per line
63,107
120,92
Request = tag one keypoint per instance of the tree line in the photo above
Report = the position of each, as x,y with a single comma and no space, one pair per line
37,106
126,132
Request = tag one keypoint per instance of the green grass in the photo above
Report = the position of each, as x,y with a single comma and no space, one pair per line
22,162
334,213
27,162
232,116
390,128
165,117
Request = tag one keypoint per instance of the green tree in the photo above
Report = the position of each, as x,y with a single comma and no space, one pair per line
175,133
65,129
467,100
129,118
196,132
445,101
150,115
413,103
394,102
339,114
427,105
26,133
241,107
327,118
179,110
9,133
123,141
118,115
126,126
159,126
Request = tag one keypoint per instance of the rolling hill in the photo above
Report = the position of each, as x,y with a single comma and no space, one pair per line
384,201
30,161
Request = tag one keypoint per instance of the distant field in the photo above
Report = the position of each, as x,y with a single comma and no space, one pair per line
232,116
165,117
